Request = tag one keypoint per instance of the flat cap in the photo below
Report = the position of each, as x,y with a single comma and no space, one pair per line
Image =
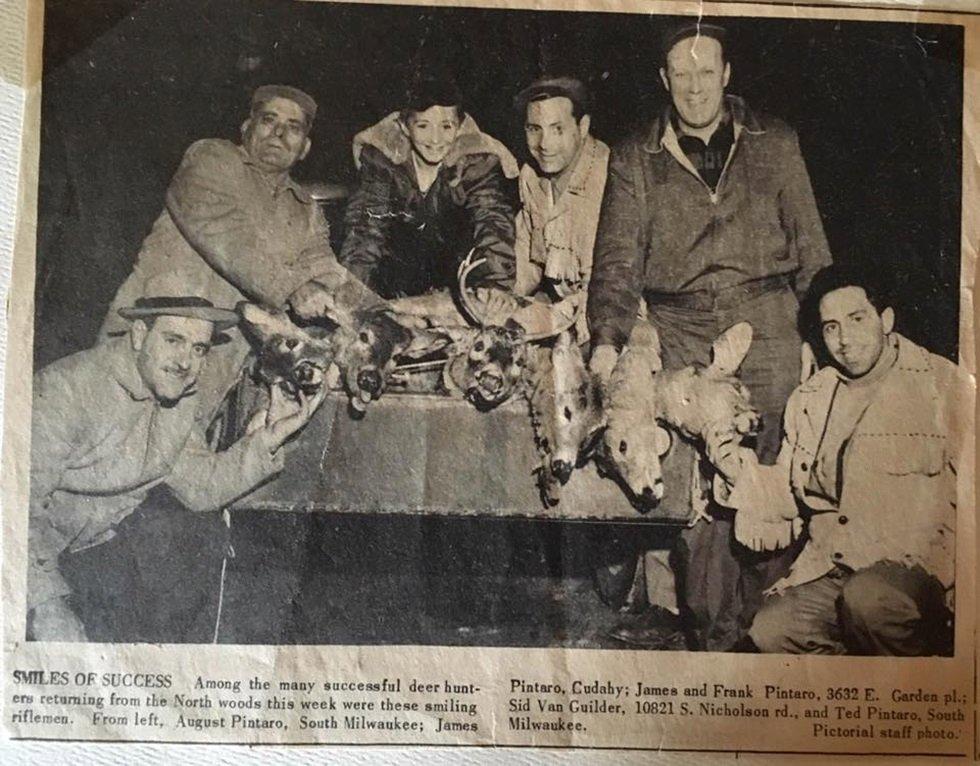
303,100
678,32
554,87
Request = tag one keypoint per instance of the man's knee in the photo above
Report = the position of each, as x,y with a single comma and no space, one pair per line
774,630
882,611
873,601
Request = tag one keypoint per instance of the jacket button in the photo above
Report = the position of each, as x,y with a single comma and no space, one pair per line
842,519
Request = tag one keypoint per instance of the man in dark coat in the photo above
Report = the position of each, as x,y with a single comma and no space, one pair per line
709,217
432,187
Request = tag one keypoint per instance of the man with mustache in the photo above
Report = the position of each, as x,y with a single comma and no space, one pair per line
236,226
111,424
432,187
709,219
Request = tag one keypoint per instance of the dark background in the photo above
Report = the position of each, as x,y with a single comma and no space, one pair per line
128,85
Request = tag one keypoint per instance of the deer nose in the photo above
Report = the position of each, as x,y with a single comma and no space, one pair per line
491,382
653,495
562,470
369,380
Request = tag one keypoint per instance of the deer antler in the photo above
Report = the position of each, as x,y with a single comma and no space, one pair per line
465,269
475,312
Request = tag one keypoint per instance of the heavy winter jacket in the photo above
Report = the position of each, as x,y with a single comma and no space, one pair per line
403,242
663,230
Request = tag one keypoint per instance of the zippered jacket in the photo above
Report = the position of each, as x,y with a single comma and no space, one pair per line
663,230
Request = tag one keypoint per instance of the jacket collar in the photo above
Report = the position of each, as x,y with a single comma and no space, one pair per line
119,361
387,137
743,117
911,358
578,182
298,191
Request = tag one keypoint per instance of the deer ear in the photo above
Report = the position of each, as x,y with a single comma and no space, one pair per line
663,441
729,349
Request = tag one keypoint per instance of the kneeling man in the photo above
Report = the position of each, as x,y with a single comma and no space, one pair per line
111,423
868,468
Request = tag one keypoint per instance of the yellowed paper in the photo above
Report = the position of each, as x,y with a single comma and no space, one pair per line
410,566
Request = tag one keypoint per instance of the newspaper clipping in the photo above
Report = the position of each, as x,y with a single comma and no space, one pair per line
596,376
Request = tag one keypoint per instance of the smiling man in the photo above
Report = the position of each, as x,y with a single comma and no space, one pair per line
109,425
868,464
431,187
709,219
561,192
236,226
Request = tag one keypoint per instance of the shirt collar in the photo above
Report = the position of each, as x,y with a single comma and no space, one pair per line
288,183
743,119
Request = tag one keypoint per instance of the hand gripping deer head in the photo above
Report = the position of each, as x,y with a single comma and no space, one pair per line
285,354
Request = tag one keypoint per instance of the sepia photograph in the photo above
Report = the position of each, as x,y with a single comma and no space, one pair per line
366,324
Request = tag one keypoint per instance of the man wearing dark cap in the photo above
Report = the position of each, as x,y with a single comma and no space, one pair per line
108,426
432,187
709,218
236,226
561,192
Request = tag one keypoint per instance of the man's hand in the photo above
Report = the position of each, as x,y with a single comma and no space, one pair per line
603,361
496,305
723,450
311,300
286,414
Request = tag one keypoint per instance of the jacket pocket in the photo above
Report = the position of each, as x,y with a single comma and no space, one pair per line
901,454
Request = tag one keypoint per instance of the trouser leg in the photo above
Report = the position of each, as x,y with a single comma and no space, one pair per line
721,582
891,609
156,580
802,620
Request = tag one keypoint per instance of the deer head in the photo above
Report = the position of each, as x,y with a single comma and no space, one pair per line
633,440
695,400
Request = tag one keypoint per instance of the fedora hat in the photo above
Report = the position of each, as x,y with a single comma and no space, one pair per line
190,306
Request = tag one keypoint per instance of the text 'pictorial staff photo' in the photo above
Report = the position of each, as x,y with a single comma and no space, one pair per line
455,337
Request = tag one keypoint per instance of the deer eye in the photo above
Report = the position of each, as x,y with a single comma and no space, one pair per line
364,337
568,413
622,447
478,346
544,442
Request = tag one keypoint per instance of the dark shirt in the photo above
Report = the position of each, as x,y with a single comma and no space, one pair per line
708,159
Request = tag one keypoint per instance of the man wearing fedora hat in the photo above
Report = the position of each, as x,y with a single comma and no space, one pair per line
112,423
236,226
709,219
